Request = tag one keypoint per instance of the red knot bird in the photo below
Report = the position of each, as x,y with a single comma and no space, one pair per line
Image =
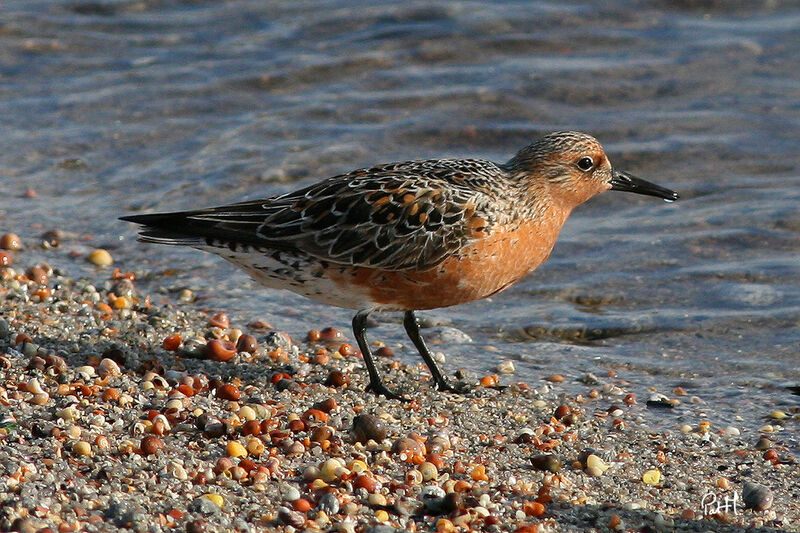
407,236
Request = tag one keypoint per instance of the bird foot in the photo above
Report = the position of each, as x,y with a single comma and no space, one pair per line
377,387
459,388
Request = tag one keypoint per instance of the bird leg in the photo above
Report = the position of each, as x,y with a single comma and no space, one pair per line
412,328
375,383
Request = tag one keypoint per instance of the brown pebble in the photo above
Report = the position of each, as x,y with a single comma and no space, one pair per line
5,259
331,335
315,415
763,444
756,497
151,445
321,433
196,526
407,446
366,482
546,462
368,427
220,320
337,378
38,275
247,343
10,241
223,464
562,411
347,350
260,325
219,350
326,405
384,351
252,427
229,392
314,335
555,378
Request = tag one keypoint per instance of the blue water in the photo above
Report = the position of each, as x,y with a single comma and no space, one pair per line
113,106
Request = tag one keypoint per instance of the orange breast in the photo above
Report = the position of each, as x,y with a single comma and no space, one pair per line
485,267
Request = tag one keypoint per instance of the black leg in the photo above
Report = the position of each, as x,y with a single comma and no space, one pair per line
412,328
375,383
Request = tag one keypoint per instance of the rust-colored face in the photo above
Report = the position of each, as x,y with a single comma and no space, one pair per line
573,167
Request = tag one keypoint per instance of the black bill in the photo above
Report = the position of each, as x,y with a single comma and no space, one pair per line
622,181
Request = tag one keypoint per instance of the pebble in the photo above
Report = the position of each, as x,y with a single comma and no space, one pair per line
595,464
289,493
10,241
328,503
506,367
151,445
207,504
368,427
235,449
82,448
652,477
756,496
432,497
546,462
100,257
763,444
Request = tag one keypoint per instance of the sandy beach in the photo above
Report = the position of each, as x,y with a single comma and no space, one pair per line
146,411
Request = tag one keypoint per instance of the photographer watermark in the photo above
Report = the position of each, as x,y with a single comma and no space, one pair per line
717,504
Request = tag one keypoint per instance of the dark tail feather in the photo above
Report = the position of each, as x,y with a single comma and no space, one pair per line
165,228
199,228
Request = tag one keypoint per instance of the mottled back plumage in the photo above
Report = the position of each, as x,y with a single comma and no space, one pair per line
397,216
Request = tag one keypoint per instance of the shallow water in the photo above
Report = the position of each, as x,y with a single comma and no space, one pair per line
114,106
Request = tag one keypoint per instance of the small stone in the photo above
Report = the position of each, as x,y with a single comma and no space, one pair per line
151,445
368,427
429,471
247,343
546,462
778,415
732,431
291,518
220,350
235,449
506,367
595,462
82,448
432,497
757,497
100,257
228,392
207,504
763,444
328,503
220,320
10,241
652,477
289,493
686,429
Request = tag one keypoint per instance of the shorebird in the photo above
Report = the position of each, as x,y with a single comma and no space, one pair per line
407,236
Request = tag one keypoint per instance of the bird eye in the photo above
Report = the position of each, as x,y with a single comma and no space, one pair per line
585,163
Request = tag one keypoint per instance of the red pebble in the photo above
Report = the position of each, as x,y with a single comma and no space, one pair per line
219,350
172,342
220,320
229,392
